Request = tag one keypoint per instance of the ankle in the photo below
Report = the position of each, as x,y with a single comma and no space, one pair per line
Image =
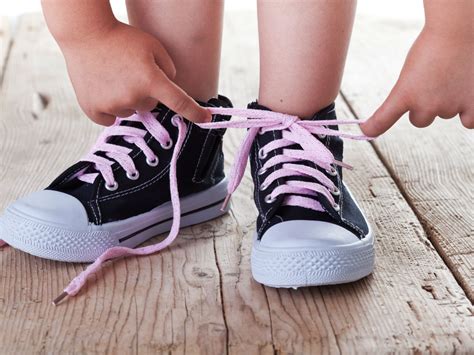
300,107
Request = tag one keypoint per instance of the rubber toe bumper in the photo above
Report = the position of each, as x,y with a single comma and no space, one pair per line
310,253
52,225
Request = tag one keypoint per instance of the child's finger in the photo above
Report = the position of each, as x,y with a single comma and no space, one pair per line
386,115
163,59
167,92
103,119
146,105
124,113
421,119
467,119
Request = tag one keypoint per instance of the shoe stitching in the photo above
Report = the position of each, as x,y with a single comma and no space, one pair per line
97,204
93,211
341,201
200,158
347,222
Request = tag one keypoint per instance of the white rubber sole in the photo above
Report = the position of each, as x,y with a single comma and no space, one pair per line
300,267
49,241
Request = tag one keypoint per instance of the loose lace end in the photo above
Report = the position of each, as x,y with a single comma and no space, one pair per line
225,203
58,299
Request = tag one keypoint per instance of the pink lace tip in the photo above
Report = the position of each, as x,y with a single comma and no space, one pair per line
225,203
343,165
58,299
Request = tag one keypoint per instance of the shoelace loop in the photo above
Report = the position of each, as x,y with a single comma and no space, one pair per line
295,131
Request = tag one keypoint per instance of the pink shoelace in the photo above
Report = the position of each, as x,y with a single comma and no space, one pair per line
294,131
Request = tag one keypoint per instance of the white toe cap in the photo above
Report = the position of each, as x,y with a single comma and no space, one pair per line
307,234
51,207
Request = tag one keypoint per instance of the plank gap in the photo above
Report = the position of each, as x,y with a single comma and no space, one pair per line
6,56
221,292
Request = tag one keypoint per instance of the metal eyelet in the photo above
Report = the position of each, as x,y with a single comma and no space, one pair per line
153,162
322,135
260,132
175,120
262,171
332,171
112,187
262,154
336,207
133,176
269,199
167,145
335,191
264,186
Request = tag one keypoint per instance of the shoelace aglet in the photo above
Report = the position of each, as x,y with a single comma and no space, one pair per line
343,165
226,202
58,299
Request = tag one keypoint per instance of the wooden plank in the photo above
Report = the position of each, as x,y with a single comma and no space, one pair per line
198,296
412,303
4,44
432,167
169,302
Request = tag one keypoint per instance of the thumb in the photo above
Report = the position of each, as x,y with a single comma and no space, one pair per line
386,115
163,60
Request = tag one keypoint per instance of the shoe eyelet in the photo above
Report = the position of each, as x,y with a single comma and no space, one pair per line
332,171
167,145
153,162
336,207
264,186
322,135
269,199
133,176
260,132
261,154
112,187
175,120
335,191
262,171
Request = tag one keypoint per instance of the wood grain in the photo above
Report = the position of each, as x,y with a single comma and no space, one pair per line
432,167
198,295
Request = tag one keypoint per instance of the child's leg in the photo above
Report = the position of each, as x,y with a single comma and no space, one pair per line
303,47
191,31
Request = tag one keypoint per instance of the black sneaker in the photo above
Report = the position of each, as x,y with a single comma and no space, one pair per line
310,230
120,195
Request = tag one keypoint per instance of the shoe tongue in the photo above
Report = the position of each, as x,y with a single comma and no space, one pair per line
158,112
327,113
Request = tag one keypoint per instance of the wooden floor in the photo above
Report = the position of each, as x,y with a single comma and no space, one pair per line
198,296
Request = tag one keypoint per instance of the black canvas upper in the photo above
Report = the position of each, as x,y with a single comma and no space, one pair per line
199,167
349,216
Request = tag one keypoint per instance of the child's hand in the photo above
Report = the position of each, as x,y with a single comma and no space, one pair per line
436,80
122,70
